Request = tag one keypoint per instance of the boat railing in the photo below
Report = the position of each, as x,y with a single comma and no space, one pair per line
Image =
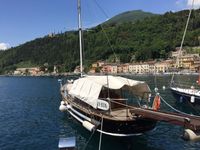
118,99
184,85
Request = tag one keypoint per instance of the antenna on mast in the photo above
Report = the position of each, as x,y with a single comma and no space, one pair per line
80,36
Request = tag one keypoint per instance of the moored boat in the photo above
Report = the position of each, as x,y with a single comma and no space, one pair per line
92,98
183,95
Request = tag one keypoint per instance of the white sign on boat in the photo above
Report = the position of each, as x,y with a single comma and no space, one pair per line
102,105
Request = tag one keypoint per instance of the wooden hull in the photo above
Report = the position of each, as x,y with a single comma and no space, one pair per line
183,97
127,128
112,127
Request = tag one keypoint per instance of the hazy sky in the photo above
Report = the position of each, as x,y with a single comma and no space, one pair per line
25,20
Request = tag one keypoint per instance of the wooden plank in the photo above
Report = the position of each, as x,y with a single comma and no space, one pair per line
187,121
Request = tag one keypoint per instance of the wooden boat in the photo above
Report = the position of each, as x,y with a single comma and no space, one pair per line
92,98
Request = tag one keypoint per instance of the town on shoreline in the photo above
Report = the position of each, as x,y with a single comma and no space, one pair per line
179,62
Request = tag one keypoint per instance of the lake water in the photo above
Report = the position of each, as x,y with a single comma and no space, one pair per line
30,119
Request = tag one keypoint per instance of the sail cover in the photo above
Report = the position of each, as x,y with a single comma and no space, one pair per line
88,88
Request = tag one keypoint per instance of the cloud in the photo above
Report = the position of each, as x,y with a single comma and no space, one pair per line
196,3
178,2
181,3
4,46
185,4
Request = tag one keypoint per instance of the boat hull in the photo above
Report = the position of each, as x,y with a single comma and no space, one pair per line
183,97
121,128
127,128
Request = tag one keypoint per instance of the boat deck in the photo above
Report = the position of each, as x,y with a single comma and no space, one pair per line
122,114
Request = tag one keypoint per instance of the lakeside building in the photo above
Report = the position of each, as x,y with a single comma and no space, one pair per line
149,67
125,68
109,68
136,68
32,71
119,69
187,61
162,67
98,64
152,67
197,65
78,69
184,60
177,53
139,68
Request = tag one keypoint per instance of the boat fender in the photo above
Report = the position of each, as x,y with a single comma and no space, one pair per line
70,81
89,126
156,89
181,99
156,102
62,103
63,108
69,87
192,99
190,135
149,98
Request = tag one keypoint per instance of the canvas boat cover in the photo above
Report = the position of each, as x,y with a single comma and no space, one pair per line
88,88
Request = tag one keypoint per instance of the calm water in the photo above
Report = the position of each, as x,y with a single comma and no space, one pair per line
30,119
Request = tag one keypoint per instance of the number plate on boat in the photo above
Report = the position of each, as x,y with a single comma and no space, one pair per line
102,105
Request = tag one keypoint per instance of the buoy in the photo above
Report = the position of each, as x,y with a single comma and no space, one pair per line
89,126
190,135
163,88
63,108
192,99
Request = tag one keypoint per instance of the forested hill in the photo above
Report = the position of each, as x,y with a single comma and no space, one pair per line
129,16
149,38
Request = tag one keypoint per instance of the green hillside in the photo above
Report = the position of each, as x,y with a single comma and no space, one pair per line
129,16
151,38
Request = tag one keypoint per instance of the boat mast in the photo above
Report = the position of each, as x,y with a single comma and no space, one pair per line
179,64
80,36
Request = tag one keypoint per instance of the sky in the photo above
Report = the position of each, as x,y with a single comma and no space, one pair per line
25,20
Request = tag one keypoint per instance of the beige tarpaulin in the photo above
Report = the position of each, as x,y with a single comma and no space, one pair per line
88,88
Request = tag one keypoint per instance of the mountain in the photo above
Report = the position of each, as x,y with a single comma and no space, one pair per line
151,38
129,16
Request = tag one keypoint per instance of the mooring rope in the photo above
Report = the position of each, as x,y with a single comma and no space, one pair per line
176,110
100,139
89,140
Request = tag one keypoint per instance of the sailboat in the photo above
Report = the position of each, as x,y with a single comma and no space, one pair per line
102,104
183,93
